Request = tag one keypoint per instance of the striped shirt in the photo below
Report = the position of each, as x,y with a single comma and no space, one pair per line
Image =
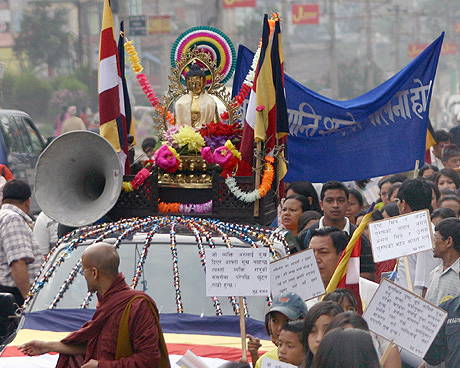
17,242
443,284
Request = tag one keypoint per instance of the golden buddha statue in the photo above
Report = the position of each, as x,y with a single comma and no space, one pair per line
197,107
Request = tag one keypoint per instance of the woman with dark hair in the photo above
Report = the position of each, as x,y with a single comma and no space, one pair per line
307,219
316,322
306,189
427,170
435,194
355,204
347,348
393,191
447,178
293,207
344,297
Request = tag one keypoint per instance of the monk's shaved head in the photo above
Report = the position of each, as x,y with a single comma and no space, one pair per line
103,256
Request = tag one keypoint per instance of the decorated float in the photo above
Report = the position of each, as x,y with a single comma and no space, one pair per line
194,168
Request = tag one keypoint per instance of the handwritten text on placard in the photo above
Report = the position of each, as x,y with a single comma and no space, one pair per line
298,273
399,315
237,272
272,363
400,236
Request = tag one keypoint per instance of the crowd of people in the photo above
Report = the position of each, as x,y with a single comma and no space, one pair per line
322,332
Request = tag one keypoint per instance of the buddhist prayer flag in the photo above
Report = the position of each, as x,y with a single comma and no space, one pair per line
111,99
346,274
126,101
379,133
266,118
213,338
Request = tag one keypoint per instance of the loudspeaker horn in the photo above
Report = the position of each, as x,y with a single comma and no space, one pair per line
78,178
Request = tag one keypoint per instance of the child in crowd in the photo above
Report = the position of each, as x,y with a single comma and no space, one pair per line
354,320
345,298
316,322
290,347
350,348
285,307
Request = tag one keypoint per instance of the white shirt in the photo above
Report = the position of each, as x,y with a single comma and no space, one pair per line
46,232
420,266
435,161
346,228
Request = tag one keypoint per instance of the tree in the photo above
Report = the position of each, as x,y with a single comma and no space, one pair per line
44,38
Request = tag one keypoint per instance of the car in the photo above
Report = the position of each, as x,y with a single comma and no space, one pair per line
20,146
166,257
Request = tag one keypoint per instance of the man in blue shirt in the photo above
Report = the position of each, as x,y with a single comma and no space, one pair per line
445,347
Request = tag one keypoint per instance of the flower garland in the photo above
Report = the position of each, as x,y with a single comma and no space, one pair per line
265,185
185,207
137,182
144,83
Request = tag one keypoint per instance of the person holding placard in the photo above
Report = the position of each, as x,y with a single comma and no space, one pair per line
328,244
334,202
415,195
285,307
444,281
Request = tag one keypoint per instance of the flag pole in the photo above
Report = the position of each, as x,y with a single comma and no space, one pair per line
386,353
406,261
258,175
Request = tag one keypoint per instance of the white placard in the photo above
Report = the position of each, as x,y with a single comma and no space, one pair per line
403,317
298,273
237,272
272,363
401,235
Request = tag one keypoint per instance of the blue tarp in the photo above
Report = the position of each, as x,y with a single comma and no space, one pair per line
381,132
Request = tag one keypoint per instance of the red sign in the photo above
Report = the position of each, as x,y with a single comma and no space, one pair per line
415,49
305,13
159,24
239,3
457,28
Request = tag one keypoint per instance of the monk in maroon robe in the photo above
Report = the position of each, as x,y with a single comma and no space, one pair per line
98,342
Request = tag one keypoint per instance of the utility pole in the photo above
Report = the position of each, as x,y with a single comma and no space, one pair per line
333,51
369,49
397,29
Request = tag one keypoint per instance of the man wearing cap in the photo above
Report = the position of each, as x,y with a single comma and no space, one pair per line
20,255
285,307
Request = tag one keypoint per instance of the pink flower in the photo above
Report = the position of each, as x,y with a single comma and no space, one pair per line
166,159
206,153
222,155
260,108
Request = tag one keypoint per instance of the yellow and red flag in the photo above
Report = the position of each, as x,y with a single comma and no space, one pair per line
266,117
111,98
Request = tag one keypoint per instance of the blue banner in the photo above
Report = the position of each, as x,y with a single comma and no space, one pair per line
379,133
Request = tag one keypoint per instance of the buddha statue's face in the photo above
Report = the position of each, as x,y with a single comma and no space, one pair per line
195,84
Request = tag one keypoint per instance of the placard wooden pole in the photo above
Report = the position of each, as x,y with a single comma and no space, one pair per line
417,164
409,278
243,329
386,353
